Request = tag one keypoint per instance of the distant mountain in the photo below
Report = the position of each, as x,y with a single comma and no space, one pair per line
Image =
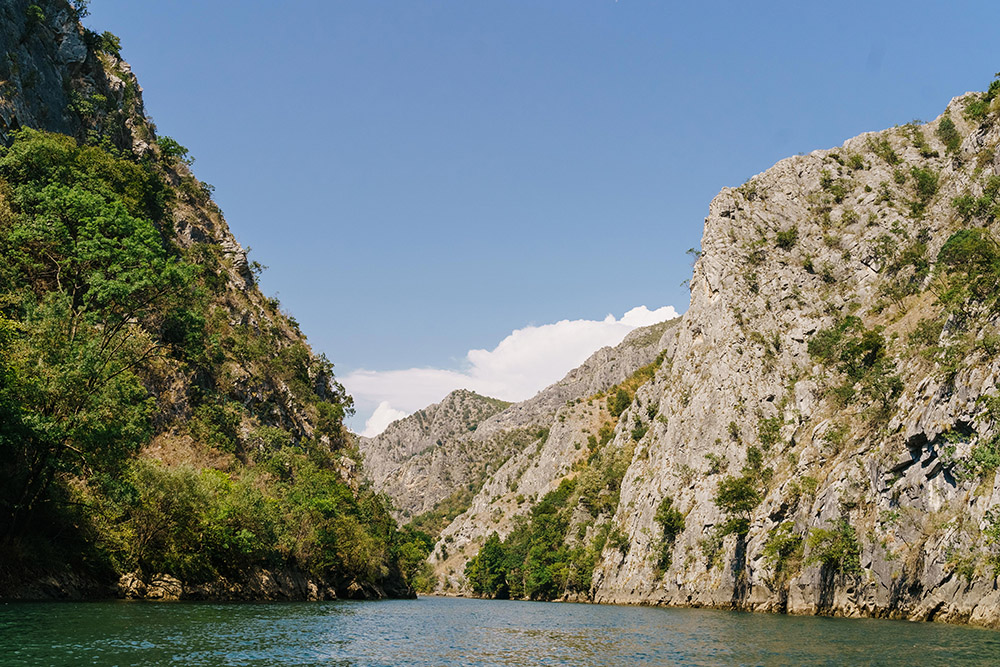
434,463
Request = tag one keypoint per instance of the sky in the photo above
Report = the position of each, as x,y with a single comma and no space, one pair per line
452,192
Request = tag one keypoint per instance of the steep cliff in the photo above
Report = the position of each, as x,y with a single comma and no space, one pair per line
838,357
827,436
160,418
433,462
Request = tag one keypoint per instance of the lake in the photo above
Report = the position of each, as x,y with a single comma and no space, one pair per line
446,631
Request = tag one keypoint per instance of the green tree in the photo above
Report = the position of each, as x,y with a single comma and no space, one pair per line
85,272
619,402
737,497
487,571
671,522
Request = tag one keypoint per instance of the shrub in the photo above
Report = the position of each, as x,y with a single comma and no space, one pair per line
217,424
926,186
786,239
737,497
977,108
783,550
172,150
861,356
970,263
948,134
837,187
619,402
111,44
716,463
619,541
986,206
882,148
34,16
671,523
769,431
836,548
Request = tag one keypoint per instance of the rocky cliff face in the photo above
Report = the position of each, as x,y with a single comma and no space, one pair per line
826,433
550,437
834,362
454,418
59,77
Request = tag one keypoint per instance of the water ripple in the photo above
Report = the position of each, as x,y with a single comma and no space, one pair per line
442,632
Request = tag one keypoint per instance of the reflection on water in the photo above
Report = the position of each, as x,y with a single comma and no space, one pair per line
444,632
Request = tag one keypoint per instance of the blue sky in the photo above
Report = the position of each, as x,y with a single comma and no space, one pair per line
424,178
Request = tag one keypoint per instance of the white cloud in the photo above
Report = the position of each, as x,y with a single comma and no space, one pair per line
383,416
522,364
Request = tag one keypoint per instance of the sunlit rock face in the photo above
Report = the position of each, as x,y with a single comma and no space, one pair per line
866,430
823,421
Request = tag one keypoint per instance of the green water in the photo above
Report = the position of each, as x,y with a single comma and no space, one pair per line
444,632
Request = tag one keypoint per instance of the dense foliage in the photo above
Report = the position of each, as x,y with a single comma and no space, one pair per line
100,310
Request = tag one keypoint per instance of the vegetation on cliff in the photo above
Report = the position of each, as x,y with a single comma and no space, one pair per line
113,336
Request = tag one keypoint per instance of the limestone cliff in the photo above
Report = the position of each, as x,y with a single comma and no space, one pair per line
824,361
405,444
439,457
826,437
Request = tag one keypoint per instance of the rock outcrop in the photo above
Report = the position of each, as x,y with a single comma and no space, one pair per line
455,417
859,435
824,435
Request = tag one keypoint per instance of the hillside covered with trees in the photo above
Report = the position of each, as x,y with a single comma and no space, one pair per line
165,430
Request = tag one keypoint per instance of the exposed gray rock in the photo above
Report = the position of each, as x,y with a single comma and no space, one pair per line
425,458
742,357
458,415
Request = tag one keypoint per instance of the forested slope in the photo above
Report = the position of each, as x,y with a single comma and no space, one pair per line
165,430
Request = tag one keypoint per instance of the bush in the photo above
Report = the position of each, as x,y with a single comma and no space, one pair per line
769,431
671,523
786,239
783,550
986,206
737,497
861,356
926,186
882,148
172,150
977,108
836,548
619,402
969,263
111,44
948,134
34,16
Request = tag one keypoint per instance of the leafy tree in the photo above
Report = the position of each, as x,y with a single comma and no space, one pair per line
487,571
948,134
671,522
836,548
84,272
619,402
737,497
783,550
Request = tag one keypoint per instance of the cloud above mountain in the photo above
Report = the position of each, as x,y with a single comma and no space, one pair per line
525,362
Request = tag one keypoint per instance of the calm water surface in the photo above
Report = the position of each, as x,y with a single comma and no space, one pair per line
443,632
